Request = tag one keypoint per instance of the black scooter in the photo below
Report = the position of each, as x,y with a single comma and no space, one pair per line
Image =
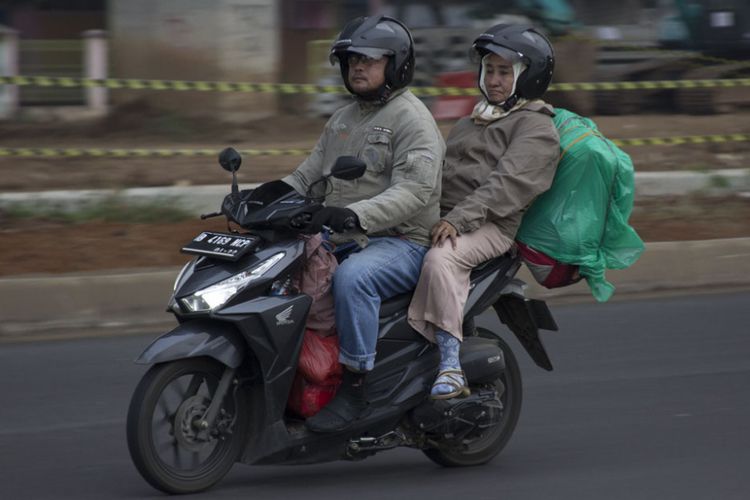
217,391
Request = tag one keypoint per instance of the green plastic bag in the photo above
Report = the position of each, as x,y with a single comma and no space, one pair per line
583,218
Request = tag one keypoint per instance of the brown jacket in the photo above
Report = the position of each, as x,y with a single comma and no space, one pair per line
492,172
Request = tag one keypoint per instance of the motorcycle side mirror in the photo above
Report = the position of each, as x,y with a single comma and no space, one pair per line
348,168
230,160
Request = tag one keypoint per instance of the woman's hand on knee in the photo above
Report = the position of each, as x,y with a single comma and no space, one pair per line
442,231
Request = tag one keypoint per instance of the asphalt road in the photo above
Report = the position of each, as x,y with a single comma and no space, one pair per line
649,400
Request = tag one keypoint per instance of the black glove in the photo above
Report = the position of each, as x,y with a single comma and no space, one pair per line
338,219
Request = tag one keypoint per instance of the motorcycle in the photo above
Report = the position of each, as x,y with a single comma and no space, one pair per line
218,388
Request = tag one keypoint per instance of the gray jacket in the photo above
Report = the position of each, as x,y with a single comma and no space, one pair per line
493,172
400,142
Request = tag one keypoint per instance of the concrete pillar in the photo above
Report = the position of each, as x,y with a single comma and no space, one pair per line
95,67
8,67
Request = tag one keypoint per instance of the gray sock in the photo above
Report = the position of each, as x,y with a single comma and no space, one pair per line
449,347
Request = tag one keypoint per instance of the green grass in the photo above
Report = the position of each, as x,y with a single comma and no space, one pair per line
697,167
717,181
112,209
173,126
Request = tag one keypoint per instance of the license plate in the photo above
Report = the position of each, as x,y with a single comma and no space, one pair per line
221,245
722,19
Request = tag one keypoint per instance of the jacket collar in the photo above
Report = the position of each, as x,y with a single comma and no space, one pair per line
540,106
369,105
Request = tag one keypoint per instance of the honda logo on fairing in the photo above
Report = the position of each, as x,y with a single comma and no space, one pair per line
284,317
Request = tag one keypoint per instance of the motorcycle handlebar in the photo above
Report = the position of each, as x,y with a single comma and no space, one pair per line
301,221
350,224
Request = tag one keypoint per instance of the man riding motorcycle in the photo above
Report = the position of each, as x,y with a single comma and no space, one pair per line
395,203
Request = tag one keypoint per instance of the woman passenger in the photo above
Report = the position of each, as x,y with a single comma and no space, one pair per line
498,160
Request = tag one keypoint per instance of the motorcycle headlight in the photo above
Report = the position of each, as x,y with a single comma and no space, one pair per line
217,295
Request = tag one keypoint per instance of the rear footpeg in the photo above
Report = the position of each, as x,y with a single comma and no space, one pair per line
368,445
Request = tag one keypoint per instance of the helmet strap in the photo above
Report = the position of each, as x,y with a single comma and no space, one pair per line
510,102
384,93
379,96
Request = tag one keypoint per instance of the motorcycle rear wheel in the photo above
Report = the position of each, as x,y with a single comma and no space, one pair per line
487,446
167,446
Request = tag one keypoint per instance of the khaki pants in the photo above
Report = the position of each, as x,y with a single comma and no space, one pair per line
443,286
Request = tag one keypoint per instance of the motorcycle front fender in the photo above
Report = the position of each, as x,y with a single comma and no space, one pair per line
202,337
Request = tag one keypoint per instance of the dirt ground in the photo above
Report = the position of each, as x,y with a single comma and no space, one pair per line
41,246
141,127
45,247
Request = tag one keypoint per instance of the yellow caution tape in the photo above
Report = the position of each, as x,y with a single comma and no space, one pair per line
163,153
676,53
179,85
138,153
306,88
688,139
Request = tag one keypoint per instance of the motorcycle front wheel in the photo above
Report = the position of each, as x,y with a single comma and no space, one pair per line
168,445
483,448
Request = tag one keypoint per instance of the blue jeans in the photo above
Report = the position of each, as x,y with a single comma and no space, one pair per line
387,267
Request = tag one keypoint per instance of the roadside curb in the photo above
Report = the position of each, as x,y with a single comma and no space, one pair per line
134,301
204,199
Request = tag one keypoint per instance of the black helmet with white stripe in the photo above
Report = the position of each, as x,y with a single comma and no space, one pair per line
520,43
377,36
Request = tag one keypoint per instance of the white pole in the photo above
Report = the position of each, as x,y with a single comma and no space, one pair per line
8,67
95,67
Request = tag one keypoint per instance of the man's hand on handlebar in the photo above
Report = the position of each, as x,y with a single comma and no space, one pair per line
338,219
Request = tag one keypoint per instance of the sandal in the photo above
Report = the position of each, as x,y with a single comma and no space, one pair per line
456,379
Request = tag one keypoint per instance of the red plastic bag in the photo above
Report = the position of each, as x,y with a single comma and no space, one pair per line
319,359
318,374
547,271
306,399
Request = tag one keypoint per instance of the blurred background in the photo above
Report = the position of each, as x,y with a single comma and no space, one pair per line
100,186
288,41
57,134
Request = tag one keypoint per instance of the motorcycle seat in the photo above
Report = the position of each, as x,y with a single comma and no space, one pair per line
395,304
401,302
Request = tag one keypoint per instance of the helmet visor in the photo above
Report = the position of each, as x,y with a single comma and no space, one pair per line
477,52
371,52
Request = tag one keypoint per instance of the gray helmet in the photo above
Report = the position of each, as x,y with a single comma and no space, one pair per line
377,36
525,44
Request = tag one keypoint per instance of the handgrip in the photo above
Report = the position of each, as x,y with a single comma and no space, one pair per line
350,224
300,221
